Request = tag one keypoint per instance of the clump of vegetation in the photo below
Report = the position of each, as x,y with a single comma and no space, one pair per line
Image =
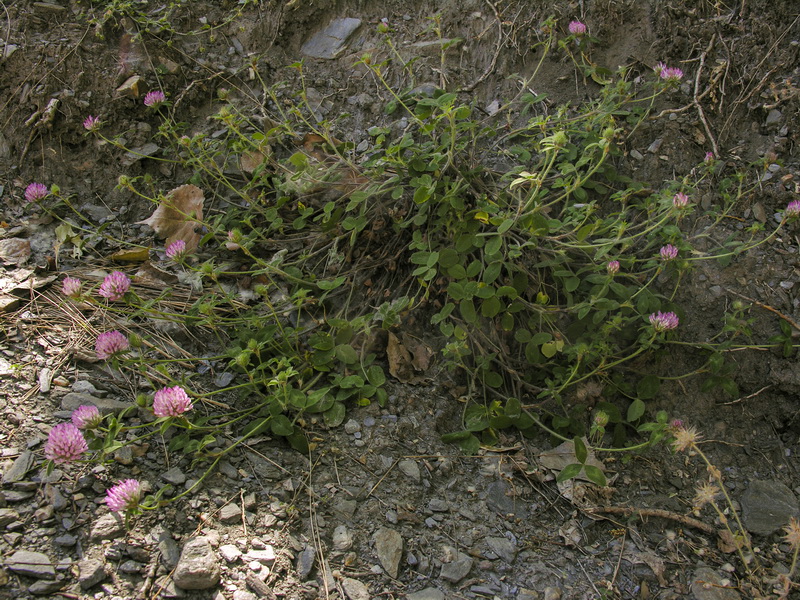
517,235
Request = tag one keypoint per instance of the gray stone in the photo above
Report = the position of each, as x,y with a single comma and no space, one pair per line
197,568
32,564
500,499
438,505
170,553
54,497
106,406
342,538
345,509
92,572
331,41
265,557
230,553
42,587
707,584
107,527
19,467
389,547
243,595
130,567
230,513
410,469
66,540
305,562
552,593
7,516
459,568
354,589
773,117
767,506
430,593
174,476
504,548
352,426
124,455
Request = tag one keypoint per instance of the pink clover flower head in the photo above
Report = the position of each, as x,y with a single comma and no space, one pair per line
176,250
36,191
110,343
383,26
709,158
668,252
86,416
114,286
680,200
92,123
612,267
71,287
124,496
676,424
662,321
576,28
792,210
171,402
154,99
669,74
65,443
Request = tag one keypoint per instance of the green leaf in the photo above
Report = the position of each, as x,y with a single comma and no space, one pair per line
331,285
334,415
281,425
541,337
376,376
470,445
569,472
513,408
256,426
346,354
595,475
648,387
491,307
298,441
635,410
549,349
468,313
505,226
580,450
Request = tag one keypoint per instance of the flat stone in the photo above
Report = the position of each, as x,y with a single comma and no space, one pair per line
230,553
107,527
457,569
230,513
331,41
42,587
773,117
66,540
354,589
707,584
430,593
174,476
92,572
499,500
197,568
106,406
345,509
32,564
503,547
305,562
265,557
7,516
244,595
767,506
410,469
389,547
19,467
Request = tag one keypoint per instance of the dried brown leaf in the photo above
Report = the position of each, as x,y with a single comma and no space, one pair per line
177,217
401,365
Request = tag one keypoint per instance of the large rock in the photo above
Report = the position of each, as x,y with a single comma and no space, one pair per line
106,406
198,568
389,547
32,564
92,572
767,506
331,41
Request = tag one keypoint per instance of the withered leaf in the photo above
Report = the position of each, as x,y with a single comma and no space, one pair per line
401,361
177,217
